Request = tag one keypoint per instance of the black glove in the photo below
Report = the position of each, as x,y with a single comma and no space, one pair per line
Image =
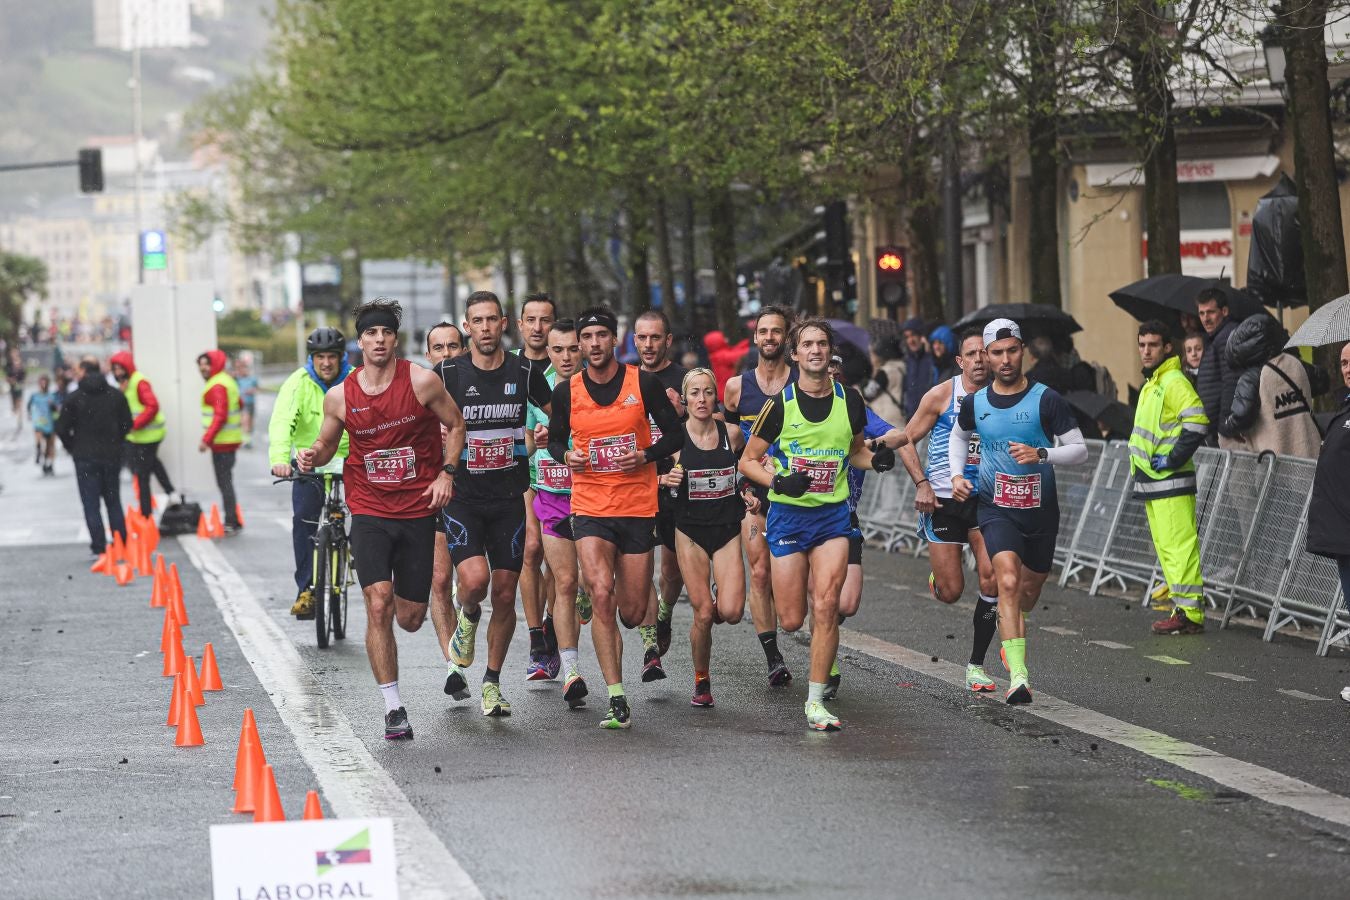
883,457
792,485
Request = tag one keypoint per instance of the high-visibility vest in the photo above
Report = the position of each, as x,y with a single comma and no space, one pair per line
820,449
230,432
1167,406
152,433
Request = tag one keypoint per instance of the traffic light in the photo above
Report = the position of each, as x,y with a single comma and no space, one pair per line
91,170
892,276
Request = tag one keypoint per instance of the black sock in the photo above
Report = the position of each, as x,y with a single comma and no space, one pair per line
986,622
475,615
491,675
769,641
550,635
537,642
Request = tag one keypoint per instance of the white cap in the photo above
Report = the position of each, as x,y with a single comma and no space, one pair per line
1001,329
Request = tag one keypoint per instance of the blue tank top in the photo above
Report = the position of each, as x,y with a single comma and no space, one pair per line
1024,492
753,399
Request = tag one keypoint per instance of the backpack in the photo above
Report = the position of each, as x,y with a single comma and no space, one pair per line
180,517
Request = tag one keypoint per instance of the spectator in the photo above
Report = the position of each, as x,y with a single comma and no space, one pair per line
221,410
1270,408
1329,508
1215,381
93,423
723,357
1193,350
941,340
882,390
1047,369
920,372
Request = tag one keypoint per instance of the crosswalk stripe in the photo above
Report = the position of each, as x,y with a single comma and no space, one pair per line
1170,660
1231,677
1112,645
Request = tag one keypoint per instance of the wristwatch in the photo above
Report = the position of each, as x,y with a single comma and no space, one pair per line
450,469
1042,454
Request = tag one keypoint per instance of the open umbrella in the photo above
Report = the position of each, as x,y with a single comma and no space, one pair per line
1035,318
1329,324
1116,416
847,331
1165,297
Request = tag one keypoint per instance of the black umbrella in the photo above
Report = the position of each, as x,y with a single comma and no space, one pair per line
1036,319
1166,297
1116,416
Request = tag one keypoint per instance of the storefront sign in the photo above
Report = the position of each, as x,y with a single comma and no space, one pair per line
1224,168
1205,253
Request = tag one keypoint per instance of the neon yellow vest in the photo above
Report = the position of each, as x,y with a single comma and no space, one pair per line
818,448
230,432
1152,435
152,433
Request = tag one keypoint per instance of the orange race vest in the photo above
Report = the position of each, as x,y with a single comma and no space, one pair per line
601,432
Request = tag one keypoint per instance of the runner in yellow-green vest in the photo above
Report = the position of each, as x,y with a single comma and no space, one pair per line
221,431
147,427
1169,426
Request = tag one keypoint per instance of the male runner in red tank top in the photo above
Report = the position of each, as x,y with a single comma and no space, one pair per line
398,476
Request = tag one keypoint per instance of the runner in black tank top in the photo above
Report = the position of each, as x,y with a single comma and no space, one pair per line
708,513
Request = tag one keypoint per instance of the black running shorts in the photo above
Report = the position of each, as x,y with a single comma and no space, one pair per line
952,521
631,534
855,543
397,550
664,532
495,530
711,538
1002,533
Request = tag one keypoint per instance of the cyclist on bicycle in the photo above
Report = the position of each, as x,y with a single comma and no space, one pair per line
295,422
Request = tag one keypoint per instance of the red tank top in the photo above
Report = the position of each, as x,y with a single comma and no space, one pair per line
395,448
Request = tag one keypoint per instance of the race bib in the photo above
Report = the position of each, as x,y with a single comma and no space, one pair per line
391,466
1017,491
711,484
491,454
604,450
822,472
973,451
554,476
656,432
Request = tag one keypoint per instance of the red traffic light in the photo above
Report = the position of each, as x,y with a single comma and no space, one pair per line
891,261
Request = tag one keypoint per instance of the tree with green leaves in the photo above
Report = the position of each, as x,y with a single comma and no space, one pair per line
21,277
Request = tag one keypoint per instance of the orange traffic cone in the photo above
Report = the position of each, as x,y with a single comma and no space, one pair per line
189,729
217,527
152,532
313,810
269,799
203,529
159,591
176,703
154,504
135,485
170,632
123,574
173,660
249,752
247,778
118,554
210,671
100,566
176,601
192,687
239,515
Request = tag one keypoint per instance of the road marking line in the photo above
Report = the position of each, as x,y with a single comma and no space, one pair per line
1111,645
1257,781
354,783
1289,692
1170,660
1231,677
1055,629
286,524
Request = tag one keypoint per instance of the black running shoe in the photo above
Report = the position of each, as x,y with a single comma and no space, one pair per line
662,636
651,666
396,725
618,715
779,676
455,685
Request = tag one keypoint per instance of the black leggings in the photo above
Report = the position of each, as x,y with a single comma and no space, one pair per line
224,466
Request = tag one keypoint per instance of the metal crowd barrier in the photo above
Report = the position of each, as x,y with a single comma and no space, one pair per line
1251,511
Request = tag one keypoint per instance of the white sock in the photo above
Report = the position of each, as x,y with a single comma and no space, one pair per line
569,658
815,692
391,700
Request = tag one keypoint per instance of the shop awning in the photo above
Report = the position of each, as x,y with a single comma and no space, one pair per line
1222,168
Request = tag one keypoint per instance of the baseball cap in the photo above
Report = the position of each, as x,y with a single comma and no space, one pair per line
1001,329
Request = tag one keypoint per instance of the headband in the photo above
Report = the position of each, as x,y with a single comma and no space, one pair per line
373,317
603,319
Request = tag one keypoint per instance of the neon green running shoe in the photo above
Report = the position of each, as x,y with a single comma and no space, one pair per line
462,641
618,715
818,718
977,681
584,610
494,704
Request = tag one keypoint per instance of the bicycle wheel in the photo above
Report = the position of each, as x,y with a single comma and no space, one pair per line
341,581
322,556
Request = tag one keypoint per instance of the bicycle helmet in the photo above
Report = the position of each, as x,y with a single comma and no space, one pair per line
325,340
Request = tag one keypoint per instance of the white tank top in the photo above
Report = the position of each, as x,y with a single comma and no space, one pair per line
939,473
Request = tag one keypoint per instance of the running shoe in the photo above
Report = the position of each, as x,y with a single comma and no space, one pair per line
537,670
618,716
702,693
574,690
1178,623
1003,658
977,681
932,586
1019,691
396,727
584,610
818,718
553,663
303,608
662,636
651,666
462,641
1345,694
455,684
779,676
832,685
494,704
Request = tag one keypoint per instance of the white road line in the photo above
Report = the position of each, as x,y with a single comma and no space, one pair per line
1055,629
1257,781
1170,660
1111,645
1231,677
354,783
1289,692
286,524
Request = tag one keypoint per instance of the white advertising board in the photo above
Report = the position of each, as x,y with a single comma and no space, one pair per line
322,859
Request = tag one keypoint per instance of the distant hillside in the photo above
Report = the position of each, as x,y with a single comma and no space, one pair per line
59,89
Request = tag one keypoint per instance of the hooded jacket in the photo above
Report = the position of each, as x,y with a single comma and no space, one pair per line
723,356
1215,381
144,392
218,399
1329,508
298,413
94,420
1271,407
944,366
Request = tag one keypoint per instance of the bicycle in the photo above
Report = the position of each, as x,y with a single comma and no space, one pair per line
332,559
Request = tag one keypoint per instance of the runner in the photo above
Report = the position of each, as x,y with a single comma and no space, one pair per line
553,511
708,512
652,338
1019,423
809,518
296,418
42,406
444,341
147,427
397,476
946,524
743,398
221,434
604,409
247,380
485,521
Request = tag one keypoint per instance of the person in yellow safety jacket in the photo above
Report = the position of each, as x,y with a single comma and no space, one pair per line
1169,426
222,409
147,427
296,417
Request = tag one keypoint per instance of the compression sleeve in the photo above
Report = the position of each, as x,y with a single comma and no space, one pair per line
560,420
1071,451
958,445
